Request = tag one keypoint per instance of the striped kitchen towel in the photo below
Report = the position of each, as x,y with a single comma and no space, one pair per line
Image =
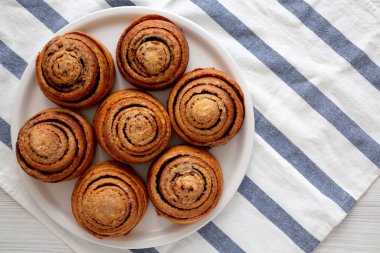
312,67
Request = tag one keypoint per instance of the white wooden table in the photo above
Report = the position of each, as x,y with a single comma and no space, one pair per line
359,232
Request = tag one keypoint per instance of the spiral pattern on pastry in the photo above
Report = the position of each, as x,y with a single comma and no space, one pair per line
132,126
109,199
206,107
75,70
185,183
55,145
152,53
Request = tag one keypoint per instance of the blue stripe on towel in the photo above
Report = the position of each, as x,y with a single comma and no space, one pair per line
278,216
44,13
302,163
218,239
146,250
335,39
116,3
293,78
11,61
5,133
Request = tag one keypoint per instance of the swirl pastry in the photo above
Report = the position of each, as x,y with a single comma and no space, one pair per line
75,70
109,199
152,53
206,107
132,126
185,183
55,145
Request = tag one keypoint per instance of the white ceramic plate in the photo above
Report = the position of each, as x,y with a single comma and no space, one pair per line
107,25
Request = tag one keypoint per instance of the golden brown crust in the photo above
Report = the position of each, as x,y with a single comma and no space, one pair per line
75,70
206,107
55,145
185,183
132,126
109,200
152,53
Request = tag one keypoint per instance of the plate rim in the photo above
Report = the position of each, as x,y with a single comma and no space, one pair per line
93,16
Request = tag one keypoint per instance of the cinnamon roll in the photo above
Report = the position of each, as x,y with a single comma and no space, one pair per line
55,145
132,126
109,199
152,53
185,183
206,107
75,70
